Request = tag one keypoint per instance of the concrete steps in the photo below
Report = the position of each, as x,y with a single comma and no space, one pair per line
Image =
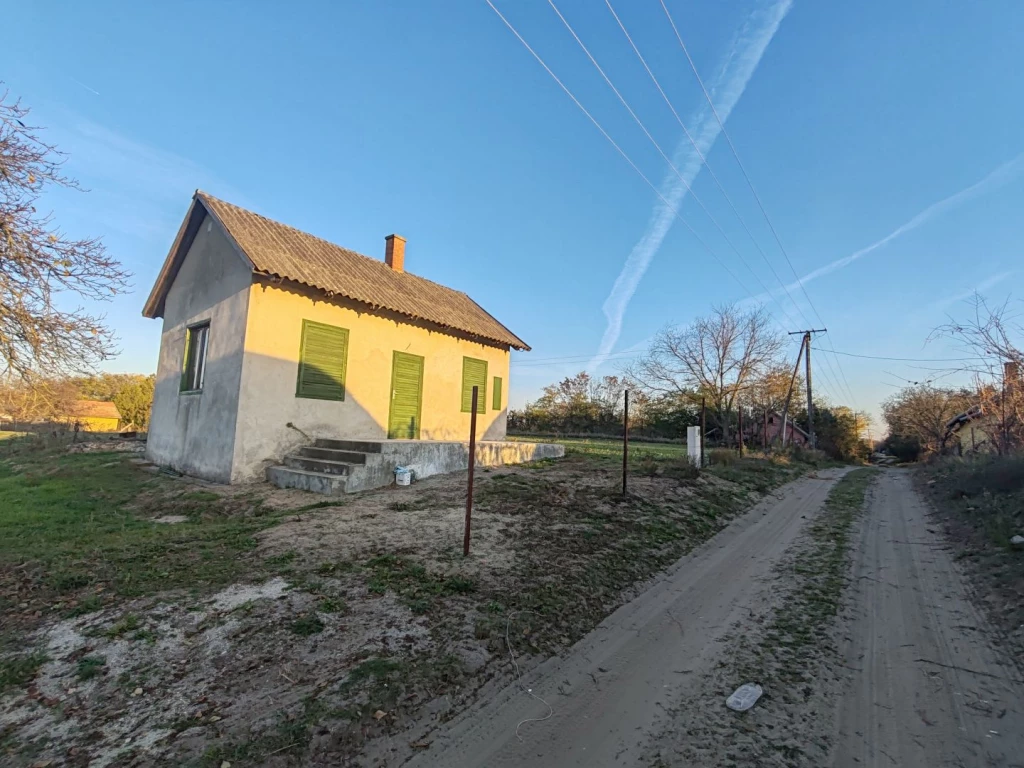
334,467
326,466
303,479
360,446
333,454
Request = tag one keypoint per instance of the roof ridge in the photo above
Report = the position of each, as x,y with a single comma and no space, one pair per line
304,233
281,250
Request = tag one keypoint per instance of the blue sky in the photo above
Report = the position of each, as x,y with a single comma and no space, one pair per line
854,120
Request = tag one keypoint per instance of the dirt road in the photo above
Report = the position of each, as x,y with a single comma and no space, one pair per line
612,693
930,690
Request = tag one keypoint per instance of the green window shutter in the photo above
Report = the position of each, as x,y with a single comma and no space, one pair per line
496,404
323,355
474,374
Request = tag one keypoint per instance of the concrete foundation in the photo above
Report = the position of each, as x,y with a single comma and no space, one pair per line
334,467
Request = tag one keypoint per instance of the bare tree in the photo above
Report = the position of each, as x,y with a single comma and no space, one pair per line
715,357
995,334
40,401
921,412
768,391
990,332
38,262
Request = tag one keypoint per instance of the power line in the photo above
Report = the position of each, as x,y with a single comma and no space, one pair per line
829,374
905,359
657,146
617,147
750,184
703,159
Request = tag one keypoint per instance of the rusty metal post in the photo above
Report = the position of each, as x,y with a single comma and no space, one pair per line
625,442
739,429
472,465
764,432
703,428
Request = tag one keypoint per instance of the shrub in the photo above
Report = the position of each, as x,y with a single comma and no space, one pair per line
722,457
810,456
997,475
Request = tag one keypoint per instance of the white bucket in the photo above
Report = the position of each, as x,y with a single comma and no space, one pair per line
403,476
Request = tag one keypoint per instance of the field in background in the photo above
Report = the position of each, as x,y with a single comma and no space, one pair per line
606,447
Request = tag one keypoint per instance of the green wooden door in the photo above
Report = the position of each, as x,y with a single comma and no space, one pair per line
406,396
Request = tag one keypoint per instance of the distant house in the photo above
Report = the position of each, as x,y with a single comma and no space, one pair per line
95,416
794,435
273,338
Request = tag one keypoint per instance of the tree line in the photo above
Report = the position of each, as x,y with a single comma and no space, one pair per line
39,401
924,418
731,361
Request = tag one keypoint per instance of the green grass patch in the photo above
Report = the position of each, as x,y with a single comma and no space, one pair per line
307,625
87,604
986,493
418,588
820,575
85,520
90,666
127,623
19,671
332,605
608,448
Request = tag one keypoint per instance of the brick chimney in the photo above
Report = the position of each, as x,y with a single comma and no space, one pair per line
394,252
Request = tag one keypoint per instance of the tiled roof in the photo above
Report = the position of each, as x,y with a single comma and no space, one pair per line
95,409
278,250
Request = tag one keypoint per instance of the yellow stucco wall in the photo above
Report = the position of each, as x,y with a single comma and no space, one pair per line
985,437
267,401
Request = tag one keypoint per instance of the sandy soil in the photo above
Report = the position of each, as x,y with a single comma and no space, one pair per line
611,695
929,688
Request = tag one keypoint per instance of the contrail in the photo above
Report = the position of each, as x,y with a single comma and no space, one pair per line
90,90
984,285
742,60
1000,176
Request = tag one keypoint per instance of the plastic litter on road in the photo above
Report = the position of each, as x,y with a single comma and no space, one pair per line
744,697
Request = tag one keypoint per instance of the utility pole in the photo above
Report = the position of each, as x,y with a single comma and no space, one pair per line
789,394
810,397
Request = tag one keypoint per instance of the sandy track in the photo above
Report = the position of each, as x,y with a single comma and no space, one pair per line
611,693
914,636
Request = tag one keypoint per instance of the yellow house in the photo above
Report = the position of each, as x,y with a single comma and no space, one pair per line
95,415
286,355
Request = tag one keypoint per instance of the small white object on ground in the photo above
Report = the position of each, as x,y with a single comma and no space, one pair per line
403,476
171,519
1017,541
744,697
